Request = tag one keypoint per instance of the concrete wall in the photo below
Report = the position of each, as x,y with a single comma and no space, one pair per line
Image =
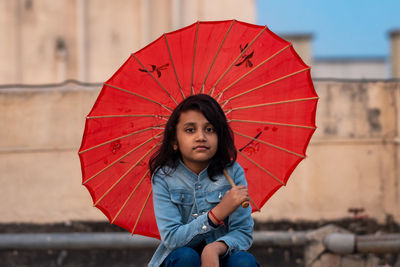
302,43
395,52
46,41
353,159
351,68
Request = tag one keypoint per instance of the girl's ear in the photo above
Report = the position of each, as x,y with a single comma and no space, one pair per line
175,147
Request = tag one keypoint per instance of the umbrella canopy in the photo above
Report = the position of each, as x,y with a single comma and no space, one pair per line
263,86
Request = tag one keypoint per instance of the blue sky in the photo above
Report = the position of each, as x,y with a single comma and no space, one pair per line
340,28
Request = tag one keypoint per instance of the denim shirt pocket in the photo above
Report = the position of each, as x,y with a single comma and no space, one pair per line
183,199
215,196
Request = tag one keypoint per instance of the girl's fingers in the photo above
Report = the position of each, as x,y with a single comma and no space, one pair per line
240,187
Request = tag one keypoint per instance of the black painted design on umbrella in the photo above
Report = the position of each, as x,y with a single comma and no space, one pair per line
258,135
245,57
154,68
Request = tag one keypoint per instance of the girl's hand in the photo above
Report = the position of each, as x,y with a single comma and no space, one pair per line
211,253
230,202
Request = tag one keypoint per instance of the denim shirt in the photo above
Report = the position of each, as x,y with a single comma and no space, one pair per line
181,204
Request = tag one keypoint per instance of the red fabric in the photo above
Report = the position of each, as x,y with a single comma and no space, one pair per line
261,83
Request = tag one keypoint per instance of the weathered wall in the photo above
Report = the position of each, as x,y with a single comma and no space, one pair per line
302,44
40,172
352,68
395,52
353,158
46,41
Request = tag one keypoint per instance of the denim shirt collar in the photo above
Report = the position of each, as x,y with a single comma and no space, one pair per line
203,174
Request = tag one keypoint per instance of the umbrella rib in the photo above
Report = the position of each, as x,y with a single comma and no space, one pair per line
173,65
123,156
121,137
146,98
254,204
274,103
252,69
216,55
126,116
265,84
275,123
130,196
141,211
154,78
194,57
271,145
242,52
261,168
125,174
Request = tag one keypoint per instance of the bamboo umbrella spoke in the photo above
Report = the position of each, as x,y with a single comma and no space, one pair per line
272,103
143,97
238,57
269,144
215,58
173,66
274,123
263,85
141,211
252,70
165,90
130,196
194,57
122,137
123,156
261,168
125,174
164,117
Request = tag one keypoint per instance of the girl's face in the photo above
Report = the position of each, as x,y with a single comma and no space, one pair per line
197,140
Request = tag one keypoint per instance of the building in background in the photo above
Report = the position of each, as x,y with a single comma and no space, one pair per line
351,68
51,41
395,53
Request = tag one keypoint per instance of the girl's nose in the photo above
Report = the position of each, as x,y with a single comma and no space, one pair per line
200,136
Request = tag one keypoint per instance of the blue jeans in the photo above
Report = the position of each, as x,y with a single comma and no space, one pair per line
185,256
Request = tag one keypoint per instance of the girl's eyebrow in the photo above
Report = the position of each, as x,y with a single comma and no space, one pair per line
194,124
189,124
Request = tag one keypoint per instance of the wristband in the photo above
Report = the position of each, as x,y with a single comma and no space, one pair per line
215,217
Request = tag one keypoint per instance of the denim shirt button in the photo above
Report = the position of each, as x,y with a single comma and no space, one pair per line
199,187
204,227
195,215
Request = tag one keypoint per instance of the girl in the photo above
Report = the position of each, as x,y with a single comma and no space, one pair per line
198,213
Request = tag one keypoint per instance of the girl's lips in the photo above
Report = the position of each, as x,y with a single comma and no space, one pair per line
200,148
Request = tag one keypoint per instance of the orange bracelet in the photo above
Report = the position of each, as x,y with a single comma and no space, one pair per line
215,217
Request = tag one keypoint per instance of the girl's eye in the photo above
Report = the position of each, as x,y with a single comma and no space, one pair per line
189,130
210,130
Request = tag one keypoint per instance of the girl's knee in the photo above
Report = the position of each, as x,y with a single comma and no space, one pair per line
183,256
242,259
189,255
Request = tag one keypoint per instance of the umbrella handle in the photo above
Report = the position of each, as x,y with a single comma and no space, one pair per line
230,180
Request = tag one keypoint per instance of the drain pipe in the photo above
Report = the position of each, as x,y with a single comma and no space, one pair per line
124,240
75,241
340,243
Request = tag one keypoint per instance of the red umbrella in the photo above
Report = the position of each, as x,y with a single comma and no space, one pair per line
261,83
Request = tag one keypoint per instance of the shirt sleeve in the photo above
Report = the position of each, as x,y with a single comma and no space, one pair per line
174,233
240,224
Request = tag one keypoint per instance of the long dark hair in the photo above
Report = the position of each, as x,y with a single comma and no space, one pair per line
226,153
